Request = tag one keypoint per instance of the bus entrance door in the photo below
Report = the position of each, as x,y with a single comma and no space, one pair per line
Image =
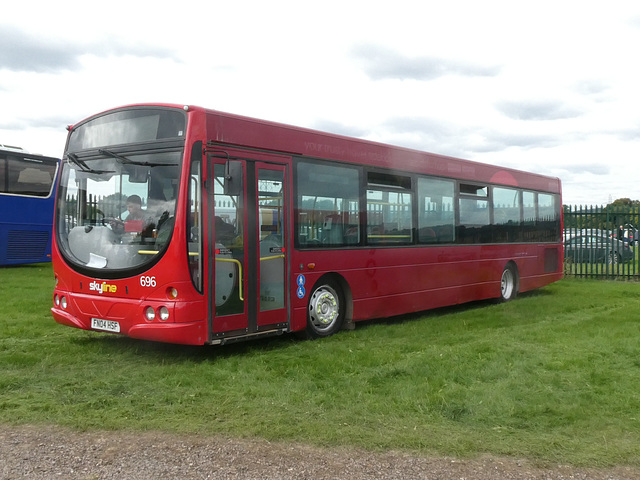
271,251
247,274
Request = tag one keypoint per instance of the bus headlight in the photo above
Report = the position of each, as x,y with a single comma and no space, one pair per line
63,303
150,314
56,300
163,313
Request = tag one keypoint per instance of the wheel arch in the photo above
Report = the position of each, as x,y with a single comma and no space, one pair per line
513,266
347,295
516,270
348,300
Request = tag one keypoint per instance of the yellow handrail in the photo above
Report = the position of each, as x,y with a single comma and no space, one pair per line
154,252
237,262
271,258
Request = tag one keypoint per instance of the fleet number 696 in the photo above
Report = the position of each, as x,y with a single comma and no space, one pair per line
147,281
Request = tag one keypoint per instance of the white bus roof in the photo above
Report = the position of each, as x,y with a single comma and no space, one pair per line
12,148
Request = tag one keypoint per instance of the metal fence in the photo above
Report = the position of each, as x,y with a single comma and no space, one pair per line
601,242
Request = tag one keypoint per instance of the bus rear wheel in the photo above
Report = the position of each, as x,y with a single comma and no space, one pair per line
508,283
326,310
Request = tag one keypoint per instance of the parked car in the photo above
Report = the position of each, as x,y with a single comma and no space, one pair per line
597,248
629,234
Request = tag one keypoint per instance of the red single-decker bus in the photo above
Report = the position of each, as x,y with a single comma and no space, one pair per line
193,226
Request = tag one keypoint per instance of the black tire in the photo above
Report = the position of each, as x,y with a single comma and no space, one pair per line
325,310
508,283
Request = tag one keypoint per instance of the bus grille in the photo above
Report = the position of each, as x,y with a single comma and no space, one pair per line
27,245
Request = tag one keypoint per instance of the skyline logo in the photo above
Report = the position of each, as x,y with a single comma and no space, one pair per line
103,287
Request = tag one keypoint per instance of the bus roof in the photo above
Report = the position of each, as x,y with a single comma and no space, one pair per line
11,148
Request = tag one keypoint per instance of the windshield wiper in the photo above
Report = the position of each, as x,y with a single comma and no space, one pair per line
73,158
128,161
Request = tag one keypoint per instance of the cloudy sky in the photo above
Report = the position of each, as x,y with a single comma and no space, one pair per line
549,86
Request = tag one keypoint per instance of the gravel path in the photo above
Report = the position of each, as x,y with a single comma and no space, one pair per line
56,453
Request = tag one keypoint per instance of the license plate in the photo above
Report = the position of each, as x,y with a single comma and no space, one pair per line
106,325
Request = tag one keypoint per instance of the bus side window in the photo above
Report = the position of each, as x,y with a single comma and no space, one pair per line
328,206
435,210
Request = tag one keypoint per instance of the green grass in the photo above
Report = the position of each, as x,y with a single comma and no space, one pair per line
552,376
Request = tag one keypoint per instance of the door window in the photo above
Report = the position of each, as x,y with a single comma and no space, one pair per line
271,238
229,247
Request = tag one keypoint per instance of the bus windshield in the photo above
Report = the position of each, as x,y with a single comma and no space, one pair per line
116,208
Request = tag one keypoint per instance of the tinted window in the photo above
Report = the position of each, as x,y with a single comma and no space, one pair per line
389,209
328,205
27,176
436,218
506,215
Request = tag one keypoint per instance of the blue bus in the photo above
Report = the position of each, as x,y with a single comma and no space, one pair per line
27,199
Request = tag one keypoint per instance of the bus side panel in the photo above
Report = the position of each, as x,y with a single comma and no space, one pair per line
387,282
544,268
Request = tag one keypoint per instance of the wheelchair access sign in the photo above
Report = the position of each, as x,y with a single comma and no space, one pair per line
300,290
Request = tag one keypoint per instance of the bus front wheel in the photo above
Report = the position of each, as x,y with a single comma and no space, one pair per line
508,283
326,310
